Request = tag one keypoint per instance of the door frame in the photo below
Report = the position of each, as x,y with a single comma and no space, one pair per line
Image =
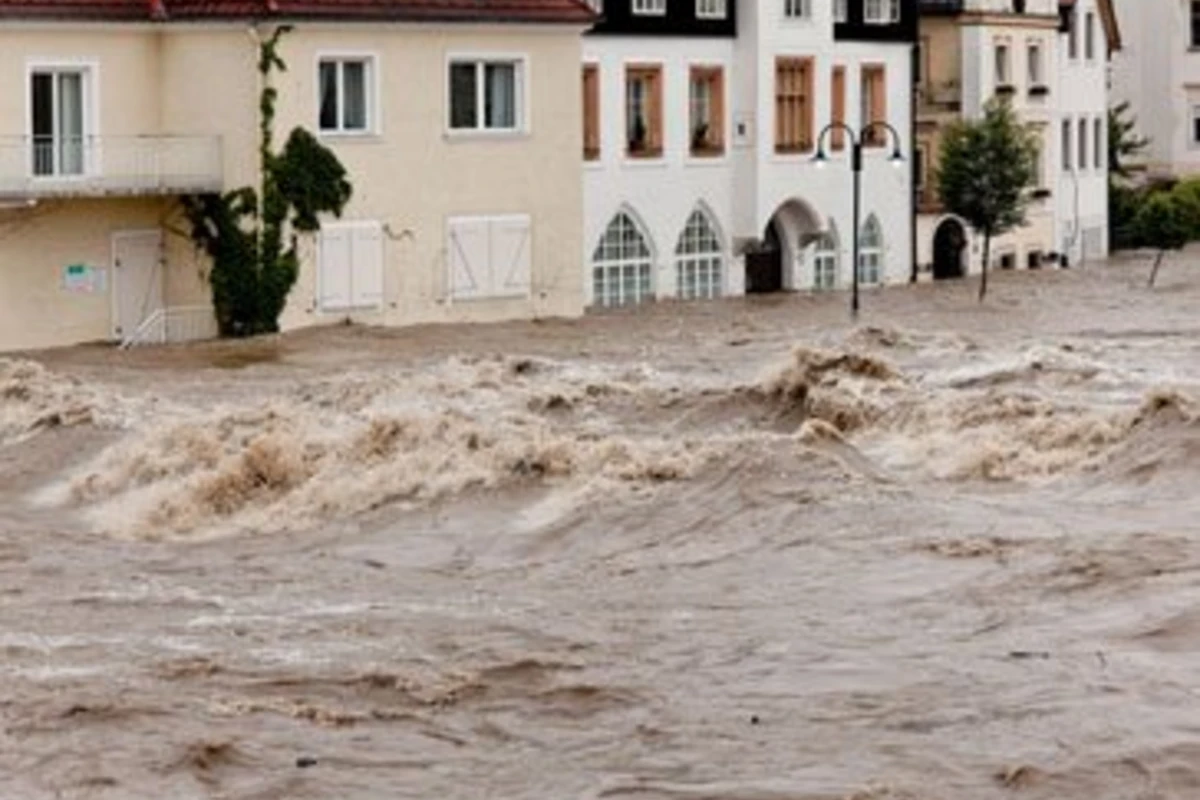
115,275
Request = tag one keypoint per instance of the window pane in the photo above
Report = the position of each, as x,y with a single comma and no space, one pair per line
43,124
463,110
328,79
500,101
354,104
70,123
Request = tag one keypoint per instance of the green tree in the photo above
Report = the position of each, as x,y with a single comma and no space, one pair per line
1124,144
253,246
1163,224
986,168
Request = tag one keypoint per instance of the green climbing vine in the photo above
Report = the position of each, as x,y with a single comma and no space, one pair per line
251,236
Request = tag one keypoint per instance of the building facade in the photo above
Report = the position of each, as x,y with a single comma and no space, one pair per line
1158,73
1049,59
702,122
459,127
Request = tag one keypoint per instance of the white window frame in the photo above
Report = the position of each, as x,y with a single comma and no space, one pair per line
881,12
1033,63
523,91
797,10
1002,56
712,9
371,88
692,262
649,8
826,258
871,275
642,294
90,87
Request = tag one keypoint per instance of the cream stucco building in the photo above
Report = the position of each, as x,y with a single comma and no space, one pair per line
460,128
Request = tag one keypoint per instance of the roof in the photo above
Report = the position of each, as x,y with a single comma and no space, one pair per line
527,11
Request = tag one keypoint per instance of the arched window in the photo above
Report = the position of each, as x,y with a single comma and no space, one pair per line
622,264
825,261
699,261
870,252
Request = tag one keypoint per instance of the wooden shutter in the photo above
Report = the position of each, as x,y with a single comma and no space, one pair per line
837,135
591,112
793,105
366,281
874,107
467,257
333,274
510,256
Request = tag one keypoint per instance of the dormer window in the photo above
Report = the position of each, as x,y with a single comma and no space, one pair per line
711,9
881,12
797,9
655,8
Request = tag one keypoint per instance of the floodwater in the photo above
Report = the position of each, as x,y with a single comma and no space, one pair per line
728,551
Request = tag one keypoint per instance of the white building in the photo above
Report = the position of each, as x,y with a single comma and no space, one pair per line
1158,73
702,123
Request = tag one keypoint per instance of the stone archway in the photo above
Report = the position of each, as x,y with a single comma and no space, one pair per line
949,244
764,264
770,266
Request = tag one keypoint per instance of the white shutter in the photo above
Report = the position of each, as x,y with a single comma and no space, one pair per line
510,256
467,257
333,274
367,259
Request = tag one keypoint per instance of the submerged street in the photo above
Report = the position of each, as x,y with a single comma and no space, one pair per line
739,550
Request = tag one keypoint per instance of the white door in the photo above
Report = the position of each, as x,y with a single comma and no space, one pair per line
137,279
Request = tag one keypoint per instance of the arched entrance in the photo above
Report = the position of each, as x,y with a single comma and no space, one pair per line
949,242
774,264
764,265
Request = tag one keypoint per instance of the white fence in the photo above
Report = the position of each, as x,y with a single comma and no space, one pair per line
174,324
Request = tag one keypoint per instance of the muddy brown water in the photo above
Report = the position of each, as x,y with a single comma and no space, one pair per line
740,550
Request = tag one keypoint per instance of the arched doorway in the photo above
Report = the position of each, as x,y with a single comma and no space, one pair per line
948,244
764,265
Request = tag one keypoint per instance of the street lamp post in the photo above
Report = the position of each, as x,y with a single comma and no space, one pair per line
856,164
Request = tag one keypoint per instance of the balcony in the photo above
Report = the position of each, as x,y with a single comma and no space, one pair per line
36,167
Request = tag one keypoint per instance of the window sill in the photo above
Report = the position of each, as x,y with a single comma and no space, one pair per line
1039,90
350,136
644,155
793,152
702,153
484,134
644,162
716,160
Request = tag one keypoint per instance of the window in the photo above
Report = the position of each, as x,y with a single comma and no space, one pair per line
837,136
874,105
1007,261
1195,24
1035,64
653,7
707,109
1033,259
870,252
881,12
1098,143
1066,145
1072,35
350,266
486,95
825,262
1083,143
591,112
698,259
621,264
919,171
1003,78
1195,125
796,9
345,86
489,257
793,105
643,111
59,120
1038,179
1089,36
840,12
710,9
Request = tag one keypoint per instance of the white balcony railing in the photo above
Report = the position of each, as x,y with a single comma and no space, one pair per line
90,166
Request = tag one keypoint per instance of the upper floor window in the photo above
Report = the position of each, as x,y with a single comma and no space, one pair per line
1072,35
643,111
1035,64
656,7
60,120
1003,73
797,9
1089,36
1196,24
591,112
1083,144
840,11
1098,143
881,12
711,9
873,96
707,111
793,105
1066,145
345,87
486,95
